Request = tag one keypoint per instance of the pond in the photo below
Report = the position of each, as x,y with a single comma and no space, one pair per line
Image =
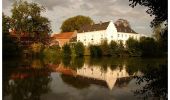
85,79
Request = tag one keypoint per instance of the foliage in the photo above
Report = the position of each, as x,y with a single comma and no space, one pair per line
113,48
52,53
75,23
121,52
27,19
66,50
156,8
156,79
95,51
9,45
79,49
36,47
105,48
133,47
148,46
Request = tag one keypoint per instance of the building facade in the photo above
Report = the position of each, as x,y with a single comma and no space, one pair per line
62,38
96,33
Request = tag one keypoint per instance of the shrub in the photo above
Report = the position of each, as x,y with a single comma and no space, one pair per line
133,48
95,51
66,50
79,49
113,46
105,48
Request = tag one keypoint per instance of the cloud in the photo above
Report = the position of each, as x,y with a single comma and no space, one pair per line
99,10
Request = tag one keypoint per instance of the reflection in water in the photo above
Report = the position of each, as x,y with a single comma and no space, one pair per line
156,82
30,79
27,82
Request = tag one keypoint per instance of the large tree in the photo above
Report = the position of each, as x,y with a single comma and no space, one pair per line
75,23
26,18
156,8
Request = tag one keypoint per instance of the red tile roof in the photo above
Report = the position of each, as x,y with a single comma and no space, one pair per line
65,35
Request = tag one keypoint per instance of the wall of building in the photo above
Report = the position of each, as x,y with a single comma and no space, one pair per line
95,37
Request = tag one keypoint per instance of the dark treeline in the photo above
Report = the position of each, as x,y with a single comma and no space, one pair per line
145,47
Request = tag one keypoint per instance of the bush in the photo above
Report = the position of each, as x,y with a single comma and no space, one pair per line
148,46
66,50
113,46
79,49
133,48
105,48
95,51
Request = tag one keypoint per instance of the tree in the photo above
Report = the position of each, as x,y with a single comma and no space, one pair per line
148,46
10,46
95,51
105,48
156,8
133,47
75,23
113,48
27,19
79,49
66,50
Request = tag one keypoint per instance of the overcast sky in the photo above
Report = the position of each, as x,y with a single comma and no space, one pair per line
99,10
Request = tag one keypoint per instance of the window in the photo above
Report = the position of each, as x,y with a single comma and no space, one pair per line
122,35
118,35
125,35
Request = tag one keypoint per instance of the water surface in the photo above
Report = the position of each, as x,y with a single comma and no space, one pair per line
85,79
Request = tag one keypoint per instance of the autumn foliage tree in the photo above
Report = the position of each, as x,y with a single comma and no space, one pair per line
27,19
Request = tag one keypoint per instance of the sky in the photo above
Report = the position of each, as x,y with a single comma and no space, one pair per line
99,10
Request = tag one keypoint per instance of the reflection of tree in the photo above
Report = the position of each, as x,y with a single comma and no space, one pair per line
30,87
24,82
75,81
156,82
66,61
77,62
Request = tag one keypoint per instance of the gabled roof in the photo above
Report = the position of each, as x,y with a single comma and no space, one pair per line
94,27
121,26
65,35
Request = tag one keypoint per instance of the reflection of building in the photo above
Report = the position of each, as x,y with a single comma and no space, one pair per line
110,76
95,75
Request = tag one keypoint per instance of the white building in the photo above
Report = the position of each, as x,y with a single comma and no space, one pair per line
95,33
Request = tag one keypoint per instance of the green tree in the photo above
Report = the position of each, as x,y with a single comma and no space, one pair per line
79,49
27,19
105,48
113,48
159,10
95,51
133,47
121,49
148,46
156,8
66,50
75,23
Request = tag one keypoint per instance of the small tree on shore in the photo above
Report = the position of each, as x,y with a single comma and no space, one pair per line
113,46
66,50
79,49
